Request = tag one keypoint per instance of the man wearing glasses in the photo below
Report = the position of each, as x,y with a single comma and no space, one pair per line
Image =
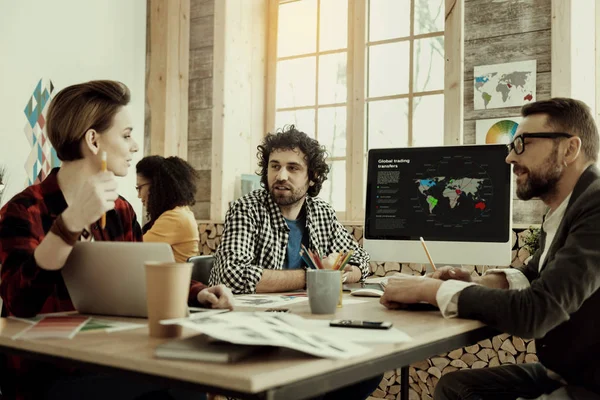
555,297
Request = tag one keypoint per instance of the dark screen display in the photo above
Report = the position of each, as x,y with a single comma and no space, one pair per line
450,193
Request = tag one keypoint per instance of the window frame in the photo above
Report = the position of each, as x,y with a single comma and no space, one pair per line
356,83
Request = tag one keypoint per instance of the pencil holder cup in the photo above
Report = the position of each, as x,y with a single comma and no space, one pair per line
339,304
323,287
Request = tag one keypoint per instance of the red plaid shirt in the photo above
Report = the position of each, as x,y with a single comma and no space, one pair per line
25,288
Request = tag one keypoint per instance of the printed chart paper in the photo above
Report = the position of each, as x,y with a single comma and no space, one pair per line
58,327
271,329
92,324
267,301
496,130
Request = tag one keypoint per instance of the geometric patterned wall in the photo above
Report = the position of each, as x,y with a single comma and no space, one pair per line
42,157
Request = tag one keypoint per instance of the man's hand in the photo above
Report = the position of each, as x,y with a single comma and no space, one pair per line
329,261
447,273
352,274
406,289
219,296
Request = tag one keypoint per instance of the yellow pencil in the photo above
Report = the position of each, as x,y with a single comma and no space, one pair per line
103,168
337,260
345,260
427,252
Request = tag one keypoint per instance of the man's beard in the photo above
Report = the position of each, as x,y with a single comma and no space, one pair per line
296,195
542,183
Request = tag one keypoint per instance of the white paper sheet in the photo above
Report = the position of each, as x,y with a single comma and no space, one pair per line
267,301
260,329
347,301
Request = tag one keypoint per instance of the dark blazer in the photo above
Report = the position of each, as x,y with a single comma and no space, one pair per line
561,307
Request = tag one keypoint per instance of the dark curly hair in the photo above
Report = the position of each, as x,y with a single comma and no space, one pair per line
173,184
290,138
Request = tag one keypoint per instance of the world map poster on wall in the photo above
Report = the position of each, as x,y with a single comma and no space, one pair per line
42,157
504,85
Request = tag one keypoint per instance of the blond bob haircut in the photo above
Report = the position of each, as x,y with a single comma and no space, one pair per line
78,108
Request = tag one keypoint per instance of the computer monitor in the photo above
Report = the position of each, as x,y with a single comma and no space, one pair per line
458,198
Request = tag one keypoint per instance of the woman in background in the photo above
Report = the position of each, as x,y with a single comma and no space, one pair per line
167,188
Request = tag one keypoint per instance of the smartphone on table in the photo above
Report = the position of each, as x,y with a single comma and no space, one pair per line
351,323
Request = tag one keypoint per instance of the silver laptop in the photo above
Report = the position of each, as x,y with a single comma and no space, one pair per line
109,278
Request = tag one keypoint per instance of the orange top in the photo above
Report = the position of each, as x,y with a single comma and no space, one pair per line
177,227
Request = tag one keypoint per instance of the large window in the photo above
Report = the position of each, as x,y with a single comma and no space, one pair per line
405,75
311,89
358,74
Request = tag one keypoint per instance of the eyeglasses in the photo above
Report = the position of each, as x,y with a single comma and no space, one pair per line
518,143
138,188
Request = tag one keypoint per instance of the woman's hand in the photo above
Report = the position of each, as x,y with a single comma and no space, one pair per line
95,197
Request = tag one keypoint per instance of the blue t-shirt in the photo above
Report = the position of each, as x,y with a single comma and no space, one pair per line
298,236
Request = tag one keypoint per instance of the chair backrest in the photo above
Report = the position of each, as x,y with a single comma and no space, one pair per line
202,267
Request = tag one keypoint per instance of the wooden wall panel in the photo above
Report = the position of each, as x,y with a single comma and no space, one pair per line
147,111
454,72
502,31
168,76
201,207
200,125
201,94
519,47
202,8
202,32
240,42
201,63
488,19
201,99
199,153
203,192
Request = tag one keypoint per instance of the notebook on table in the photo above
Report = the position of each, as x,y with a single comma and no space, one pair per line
204,348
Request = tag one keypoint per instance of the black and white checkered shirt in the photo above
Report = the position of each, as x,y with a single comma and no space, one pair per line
256,237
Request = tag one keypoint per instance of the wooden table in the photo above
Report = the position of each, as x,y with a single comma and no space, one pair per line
281,374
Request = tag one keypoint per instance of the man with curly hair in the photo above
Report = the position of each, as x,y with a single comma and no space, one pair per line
264,230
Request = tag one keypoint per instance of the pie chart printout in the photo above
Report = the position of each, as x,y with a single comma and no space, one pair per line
502,132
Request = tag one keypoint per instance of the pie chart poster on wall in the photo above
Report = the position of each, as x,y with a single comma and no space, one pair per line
496,130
